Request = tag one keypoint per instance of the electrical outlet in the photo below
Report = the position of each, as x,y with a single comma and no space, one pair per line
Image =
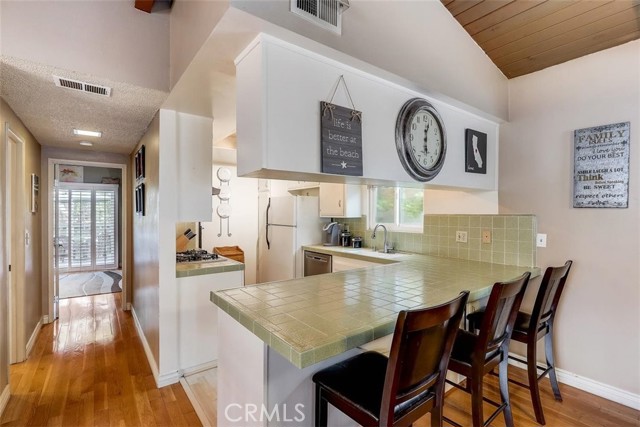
541,240
486,236
461,236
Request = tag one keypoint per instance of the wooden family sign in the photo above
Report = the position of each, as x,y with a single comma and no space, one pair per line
601,166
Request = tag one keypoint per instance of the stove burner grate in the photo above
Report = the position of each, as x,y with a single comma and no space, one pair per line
195,255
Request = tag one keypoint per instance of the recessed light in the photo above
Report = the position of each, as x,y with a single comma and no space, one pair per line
87,133
86,143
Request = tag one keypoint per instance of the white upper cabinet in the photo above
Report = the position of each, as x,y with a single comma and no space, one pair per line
340,201
279,90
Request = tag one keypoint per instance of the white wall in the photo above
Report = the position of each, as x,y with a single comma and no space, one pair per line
72,35
243,222
460,202
193,159
597,328
191,23
145,275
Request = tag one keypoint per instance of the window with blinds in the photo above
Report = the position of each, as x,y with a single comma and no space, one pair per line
87,236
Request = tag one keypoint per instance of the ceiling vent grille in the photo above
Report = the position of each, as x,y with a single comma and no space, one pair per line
325,13
81,86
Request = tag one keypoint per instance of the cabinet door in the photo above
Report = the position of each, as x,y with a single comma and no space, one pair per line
340,200
331,200
344,263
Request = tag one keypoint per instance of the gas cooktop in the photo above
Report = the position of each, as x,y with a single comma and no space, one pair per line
195,255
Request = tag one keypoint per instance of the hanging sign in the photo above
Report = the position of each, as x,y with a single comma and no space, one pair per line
341,140
341,137
601,166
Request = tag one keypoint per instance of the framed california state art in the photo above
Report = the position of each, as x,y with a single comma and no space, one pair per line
475,150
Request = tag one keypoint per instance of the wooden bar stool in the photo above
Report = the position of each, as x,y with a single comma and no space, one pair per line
474,356
530,328
378,391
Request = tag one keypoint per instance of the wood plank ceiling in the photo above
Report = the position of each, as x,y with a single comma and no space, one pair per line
523,36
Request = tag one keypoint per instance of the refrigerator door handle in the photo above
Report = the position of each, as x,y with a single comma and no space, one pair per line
266,231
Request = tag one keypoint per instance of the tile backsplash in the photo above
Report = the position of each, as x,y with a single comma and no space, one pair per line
513,237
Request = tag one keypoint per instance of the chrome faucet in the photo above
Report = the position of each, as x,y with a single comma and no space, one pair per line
387,246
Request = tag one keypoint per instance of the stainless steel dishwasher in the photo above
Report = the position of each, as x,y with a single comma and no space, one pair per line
316,263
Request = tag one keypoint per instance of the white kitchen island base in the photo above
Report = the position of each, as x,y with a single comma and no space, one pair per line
275,336
259,387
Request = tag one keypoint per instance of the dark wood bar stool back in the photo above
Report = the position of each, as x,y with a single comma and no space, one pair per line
474,356
530,328
378,391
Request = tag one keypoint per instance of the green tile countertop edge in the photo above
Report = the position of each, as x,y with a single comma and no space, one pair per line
311,319
200,268
364,254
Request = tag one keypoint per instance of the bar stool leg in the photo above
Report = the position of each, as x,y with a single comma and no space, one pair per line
532,372
321,409
548,347
504,389
436,416
476,399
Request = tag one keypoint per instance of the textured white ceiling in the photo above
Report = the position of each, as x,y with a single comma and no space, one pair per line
51,113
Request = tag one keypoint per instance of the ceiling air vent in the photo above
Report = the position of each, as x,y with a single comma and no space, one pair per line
81,86
325,13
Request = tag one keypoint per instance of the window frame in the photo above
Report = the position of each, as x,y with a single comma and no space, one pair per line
395,226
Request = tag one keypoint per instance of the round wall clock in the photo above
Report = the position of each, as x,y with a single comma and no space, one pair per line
421,140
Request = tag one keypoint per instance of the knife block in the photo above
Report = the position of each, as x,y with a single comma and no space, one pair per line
181,243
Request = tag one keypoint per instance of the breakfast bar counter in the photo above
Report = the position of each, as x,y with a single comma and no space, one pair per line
274,336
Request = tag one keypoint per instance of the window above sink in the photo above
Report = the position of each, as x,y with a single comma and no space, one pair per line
399,209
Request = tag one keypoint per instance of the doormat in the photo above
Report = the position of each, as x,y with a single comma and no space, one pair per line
90,283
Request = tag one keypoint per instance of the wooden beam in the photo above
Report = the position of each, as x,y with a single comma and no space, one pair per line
144,5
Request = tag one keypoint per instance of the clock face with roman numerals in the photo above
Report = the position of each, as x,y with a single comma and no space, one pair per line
420,139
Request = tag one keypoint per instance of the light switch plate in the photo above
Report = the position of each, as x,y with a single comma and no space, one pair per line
541,240
461,236
486,236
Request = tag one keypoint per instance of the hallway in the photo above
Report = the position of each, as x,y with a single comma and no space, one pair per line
89,368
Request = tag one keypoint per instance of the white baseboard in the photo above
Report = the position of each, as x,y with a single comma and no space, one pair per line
45,319
161,380
597,388
4,398
199,368
145,345
33,338
168,379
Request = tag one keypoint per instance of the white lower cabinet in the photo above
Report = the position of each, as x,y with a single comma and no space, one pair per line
341,264
198,318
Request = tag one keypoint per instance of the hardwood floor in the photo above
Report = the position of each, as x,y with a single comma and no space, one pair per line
201,388
578,408
89,368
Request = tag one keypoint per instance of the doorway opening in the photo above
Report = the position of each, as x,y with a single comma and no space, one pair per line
87,239
15,243
88,254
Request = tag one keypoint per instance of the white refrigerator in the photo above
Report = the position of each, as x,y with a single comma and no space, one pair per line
286,224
